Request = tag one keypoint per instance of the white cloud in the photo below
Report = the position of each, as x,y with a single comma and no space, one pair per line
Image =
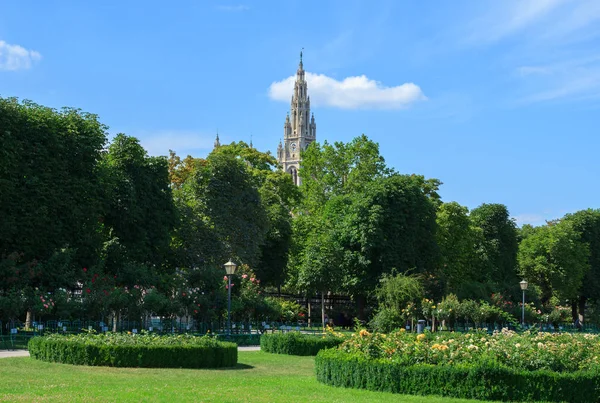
236,8
15,57
182,142
350,93
508,17
569,80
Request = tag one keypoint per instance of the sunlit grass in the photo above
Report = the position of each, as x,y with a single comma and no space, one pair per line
259,377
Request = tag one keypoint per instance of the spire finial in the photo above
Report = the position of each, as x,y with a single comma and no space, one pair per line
217,142
301,55
250,140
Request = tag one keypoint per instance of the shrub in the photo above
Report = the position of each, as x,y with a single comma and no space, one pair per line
294,343
484,380
528,351
136,350
386,320
241,339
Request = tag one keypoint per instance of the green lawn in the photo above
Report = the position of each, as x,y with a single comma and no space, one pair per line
259,377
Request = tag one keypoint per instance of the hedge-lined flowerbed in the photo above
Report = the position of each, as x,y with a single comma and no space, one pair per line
134,350
295,343
482,381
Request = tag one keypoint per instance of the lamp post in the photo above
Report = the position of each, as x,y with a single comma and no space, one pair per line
229,269
523,285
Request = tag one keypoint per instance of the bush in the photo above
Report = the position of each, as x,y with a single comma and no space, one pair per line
485,381
241,339
386,320
137,350
528,351
294,343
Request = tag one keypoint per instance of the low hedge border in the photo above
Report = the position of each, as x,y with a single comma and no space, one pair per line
295,343
484,382
145,356
241,339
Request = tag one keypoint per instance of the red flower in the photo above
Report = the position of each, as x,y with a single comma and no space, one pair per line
85,269
183,293
195,311
88,290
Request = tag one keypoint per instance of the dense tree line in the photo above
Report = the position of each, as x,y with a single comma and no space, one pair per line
92,228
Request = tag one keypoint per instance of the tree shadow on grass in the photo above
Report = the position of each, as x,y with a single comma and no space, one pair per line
238,367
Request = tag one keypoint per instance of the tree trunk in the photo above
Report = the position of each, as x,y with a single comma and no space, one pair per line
582,301
29,319
574,311
309,321
361,301
323,309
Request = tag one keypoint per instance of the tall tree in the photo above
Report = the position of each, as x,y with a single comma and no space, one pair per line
141,213
552,258
498,247
587,224
457,237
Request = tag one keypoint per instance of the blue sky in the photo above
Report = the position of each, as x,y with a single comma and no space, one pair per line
500,100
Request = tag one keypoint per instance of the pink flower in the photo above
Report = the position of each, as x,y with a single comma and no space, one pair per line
232,284
46,306
252,279
226,287
244,276
183,293
224,278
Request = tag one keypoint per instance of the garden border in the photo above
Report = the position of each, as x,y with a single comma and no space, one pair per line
295,343
483,382
224,354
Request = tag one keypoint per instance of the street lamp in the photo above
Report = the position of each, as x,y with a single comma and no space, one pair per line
523,285
229,269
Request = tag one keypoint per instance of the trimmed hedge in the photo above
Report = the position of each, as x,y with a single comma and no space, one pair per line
241,339
213,354
295,343
483,382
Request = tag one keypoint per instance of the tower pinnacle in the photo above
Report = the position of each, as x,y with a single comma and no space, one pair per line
217,142
299,129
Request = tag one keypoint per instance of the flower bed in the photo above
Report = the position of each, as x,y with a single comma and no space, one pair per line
134,350
295,343
503,366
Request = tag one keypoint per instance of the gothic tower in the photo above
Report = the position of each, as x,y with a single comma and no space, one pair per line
299,129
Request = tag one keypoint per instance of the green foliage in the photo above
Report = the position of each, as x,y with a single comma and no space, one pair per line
295,343
241,339
485,381
497,247
399,290
140,213
387,320
394,294
528,351
285,310
143,350
456,237
552,258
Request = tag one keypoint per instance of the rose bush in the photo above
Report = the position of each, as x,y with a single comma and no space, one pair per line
528,351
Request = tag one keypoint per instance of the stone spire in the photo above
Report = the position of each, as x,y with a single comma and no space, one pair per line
299,128
217,142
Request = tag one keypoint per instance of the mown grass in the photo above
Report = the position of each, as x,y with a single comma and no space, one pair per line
259,377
